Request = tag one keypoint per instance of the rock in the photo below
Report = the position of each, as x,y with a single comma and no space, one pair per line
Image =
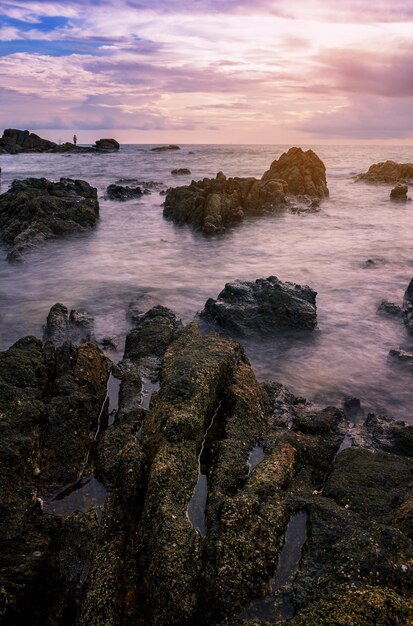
352,407
404,356
36,209
107,145
212,205
154,331
399,192
117,192
371,263
389,308
304,173
165,148
50,404
61,326
388,172
182,171
407,307
262,307
15,141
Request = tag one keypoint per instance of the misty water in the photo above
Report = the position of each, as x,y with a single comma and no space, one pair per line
135,251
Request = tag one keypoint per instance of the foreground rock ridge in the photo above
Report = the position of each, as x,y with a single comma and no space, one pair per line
15,141
216,501
296,180
36,209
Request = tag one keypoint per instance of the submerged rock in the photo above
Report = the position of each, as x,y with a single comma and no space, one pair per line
181,171
390,308
118,192
212,205
388,172
36,209
165,148
262,307
399,192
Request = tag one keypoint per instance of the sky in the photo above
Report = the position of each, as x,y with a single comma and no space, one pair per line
206,71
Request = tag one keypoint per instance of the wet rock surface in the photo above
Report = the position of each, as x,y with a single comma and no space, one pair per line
214,204
388,172
36,209
317,532
262,307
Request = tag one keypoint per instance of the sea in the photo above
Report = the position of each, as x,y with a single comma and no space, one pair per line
355,252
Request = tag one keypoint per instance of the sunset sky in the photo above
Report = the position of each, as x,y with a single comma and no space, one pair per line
233,71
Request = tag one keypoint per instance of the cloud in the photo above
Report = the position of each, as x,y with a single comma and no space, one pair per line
359,71
365,117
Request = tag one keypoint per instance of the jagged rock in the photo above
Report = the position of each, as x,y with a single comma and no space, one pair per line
212,205
262,307
388,172
144,561
36,209
399,192
61,326
118,192
165,148
181,171
407,307
404,356
304,173
107,145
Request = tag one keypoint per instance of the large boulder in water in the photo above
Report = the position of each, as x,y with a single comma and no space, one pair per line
107,145
213,204
122,193
388,172
36,209
262,306
304,172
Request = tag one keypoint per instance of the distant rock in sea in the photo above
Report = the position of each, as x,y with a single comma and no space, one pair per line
180,171
36,209
165,148
15,141
213,204
388,172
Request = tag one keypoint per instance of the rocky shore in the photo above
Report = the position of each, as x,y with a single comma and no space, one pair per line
217,501
297,180
15,141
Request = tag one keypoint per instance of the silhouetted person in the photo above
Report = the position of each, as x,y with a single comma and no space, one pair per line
74,139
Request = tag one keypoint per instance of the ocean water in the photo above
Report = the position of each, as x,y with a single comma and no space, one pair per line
134,251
